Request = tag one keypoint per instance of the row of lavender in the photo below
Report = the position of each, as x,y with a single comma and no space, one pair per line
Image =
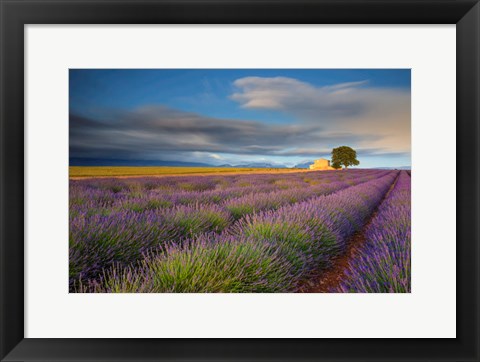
97,240
383,263
205,183
271,251
108,195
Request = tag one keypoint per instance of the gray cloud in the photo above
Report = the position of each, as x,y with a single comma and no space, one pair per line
158,132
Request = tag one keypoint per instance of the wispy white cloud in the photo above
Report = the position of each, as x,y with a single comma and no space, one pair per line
348,108
215,156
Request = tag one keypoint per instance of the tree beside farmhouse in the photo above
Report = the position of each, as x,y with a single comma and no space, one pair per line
344,156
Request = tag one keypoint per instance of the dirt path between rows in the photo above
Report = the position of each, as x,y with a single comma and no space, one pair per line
331,278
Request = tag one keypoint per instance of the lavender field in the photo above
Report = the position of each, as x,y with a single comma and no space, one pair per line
241,233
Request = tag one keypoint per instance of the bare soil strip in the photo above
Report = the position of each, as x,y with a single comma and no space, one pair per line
329,279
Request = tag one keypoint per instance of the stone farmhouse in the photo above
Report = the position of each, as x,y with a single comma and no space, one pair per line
321,164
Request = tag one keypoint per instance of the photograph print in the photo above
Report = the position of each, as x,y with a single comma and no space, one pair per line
240,181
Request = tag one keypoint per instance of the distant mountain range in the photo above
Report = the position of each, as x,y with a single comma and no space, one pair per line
77,161
305,164
256,165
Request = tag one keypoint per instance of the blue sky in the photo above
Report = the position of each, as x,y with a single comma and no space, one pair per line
222,116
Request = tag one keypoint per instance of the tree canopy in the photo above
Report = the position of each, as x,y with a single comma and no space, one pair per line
344,156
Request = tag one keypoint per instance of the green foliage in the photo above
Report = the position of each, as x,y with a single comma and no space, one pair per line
336,165
293,240
240,210
344,156
244,266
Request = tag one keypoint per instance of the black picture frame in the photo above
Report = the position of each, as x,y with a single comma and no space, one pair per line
15,14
